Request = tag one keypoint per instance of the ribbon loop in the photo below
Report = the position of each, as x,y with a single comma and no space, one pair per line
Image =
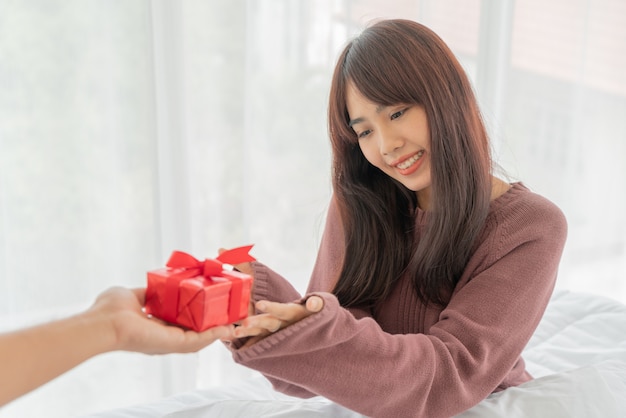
180,259
209,267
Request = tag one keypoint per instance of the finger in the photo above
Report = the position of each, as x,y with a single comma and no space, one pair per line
140,293
314,304
262,321
244,268
283,311
220,332
193,341
241,332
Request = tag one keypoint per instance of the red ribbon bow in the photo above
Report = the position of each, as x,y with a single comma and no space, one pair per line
209,267
192,268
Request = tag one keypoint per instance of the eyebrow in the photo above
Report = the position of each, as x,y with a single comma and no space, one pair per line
353,122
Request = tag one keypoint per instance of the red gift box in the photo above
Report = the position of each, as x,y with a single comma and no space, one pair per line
200,294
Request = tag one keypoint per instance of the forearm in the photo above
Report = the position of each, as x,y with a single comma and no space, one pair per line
34,356
356,364
116,321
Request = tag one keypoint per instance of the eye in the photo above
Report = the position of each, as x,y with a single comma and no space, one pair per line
397,114
363,134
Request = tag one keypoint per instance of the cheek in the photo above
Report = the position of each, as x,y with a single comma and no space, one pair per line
370,153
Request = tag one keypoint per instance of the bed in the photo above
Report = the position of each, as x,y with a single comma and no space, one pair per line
577,355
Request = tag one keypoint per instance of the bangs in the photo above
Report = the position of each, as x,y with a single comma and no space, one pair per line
381,69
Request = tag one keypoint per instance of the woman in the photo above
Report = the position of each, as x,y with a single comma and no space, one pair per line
432,274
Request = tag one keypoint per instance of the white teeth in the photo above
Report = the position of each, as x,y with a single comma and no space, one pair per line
408,163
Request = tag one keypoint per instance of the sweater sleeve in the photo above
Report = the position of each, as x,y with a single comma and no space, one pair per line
457,362
269,285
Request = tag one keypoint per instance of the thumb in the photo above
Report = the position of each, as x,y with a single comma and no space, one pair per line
314,304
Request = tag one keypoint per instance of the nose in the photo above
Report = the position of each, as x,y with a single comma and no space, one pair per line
389,142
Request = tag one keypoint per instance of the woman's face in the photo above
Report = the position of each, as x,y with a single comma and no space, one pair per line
395,139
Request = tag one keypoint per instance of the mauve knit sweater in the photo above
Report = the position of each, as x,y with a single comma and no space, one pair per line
406,359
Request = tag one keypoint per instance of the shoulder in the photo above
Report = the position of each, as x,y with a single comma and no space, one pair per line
523,231
521,217
521,209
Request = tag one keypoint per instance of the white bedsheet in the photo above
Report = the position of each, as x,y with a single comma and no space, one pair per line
578,356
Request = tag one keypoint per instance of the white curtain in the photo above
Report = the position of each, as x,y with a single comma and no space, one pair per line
130,129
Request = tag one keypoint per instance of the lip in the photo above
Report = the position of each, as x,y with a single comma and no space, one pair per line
403,159
413,168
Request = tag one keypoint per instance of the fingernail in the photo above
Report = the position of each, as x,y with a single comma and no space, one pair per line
261,306
314,304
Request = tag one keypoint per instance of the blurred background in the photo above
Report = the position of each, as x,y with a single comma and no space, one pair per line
129,129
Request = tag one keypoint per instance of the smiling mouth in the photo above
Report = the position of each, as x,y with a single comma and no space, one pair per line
410,161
